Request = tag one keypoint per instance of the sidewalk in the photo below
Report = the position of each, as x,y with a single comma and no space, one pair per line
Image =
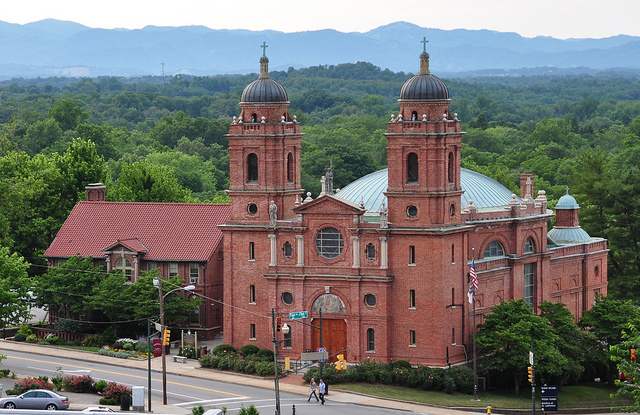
291,383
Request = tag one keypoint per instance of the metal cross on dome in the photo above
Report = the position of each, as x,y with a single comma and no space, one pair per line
424,42
264,47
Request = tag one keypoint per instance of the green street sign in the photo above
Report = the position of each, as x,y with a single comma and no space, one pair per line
298,315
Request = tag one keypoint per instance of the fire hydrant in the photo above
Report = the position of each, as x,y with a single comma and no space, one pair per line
489,407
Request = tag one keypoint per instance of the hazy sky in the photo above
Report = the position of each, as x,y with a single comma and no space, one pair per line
558,18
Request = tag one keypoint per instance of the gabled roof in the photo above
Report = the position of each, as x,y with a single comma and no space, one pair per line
132,244
314,205
169,231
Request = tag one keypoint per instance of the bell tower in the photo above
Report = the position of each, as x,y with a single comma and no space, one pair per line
264,153
423,146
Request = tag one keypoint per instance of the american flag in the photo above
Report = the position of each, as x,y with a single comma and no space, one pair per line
473,275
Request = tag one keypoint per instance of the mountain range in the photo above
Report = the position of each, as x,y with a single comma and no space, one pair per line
61,48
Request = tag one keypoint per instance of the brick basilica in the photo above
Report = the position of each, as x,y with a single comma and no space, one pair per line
386,259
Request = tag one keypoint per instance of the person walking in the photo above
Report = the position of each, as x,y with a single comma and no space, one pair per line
321,389
313,390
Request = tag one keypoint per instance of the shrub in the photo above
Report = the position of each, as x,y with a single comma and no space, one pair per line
463,377
79,384
400,364
109,335
127,346
265,368
20,337
188,352
266,354
100,385
224,349
248,349
25,329
210,360
251,410
197,410
108,401
66,325
31,383
449,385
95,340
116,392
4,372
32,338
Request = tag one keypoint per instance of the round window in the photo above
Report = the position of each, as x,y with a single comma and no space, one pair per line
252,208
412,211
287,298
329,243
370,300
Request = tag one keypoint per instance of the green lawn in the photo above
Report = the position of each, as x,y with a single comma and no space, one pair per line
581,396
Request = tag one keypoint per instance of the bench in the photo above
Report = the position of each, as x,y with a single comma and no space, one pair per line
180,359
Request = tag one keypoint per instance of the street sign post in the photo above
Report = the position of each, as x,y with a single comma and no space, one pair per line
298,315
549,398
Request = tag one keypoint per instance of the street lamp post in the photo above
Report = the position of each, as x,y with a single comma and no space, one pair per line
285,330
161,298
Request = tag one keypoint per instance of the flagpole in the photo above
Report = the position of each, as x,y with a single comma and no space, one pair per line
475,360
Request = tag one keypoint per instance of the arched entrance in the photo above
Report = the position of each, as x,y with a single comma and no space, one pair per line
334,326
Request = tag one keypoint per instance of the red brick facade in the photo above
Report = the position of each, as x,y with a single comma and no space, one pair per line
386,291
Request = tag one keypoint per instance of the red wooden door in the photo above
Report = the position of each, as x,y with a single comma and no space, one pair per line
334,336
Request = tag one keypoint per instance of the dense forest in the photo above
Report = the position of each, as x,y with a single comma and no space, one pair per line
155,139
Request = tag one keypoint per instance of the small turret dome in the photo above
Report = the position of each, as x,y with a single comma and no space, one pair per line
424,86
264,89
567,202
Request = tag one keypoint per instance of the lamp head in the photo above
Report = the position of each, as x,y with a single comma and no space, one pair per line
285,328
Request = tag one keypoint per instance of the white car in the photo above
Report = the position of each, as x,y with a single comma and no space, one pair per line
94,409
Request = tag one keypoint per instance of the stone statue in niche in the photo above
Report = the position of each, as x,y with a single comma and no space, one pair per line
273,213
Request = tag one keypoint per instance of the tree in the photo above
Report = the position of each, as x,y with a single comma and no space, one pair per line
14,287
608,319
68,287
68,114
145,182
573,342
506,337
621,354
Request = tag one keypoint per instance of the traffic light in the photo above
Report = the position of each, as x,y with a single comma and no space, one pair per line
530,370
278,323
633,355
341,364
166,337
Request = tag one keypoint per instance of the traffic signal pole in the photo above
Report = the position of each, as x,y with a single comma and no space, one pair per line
533,380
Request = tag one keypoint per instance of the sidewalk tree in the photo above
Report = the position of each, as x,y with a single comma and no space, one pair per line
621,354
505,338
14,287
607,320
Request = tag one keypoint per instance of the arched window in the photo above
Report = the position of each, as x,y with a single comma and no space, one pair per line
371,340
414,116
290,168
450,168
252,167
124,265
529,247
254,117
412,168
495,248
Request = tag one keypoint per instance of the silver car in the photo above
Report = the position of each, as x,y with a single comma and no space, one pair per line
36,399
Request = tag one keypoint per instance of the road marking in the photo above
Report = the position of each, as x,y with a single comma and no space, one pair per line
207,402
126,374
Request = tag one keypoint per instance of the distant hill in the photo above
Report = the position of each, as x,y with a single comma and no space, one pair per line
53,48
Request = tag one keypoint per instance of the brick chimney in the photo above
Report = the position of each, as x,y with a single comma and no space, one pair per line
95,192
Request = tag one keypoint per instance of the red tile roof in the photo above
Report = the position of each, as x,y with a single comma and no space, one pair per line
170,231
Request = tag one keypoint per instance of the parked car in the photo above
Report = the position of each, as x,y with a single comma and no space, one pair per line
36,399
